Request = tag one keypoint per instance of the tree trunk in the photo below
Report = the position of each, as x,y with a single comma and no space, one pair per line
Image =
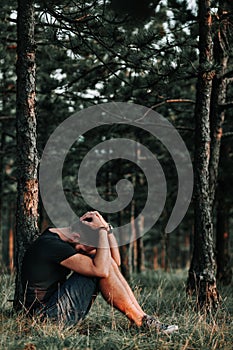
2,173
27,158
202,270
221,55
1,197
140,255
5,238
218,96
155,258
124,250
224,269
133,243
166,246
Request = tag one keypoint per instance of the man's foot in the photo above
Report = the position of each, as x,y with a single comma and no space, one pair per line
151,322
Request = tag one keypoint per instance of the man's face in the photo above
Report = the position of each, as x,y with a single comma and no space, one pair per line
85,248
82,234
79,246
74,238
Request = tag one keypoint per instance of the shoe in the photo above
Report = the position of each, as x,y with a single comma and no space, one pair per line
151,322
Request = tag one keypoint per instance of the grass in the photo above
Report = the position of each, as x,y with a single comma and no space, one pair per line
160,294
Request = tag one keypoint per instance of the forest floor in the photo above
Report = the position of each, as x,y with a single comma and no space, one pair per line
161,294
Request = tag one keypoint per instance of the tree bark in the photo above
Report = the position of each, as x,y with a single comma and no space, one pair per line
1,197
27,158
218,96
224,269
2,174
124,252
202,270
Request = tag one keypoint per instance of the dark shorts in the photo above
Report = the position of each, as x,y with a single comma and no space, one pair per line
72,301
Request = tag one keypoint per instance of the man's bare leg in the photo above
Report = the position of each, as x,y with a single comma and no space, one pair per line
127,287
117,292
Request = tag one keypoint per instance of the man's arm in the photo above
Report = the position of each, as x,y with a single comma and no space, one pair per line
114,248
98,266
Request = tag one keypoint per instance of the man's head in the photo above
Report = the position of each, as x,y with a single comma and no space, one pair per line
86,235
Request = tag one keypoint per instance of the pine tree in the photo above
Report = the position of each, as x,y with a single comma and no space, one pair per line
211,94
7,127
27,159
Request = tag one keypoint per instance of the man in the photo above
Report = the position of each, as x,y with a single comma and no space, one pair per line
60,251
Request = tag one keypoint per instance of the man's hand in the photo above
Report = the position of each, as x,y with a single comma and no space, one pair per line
100,265
94,220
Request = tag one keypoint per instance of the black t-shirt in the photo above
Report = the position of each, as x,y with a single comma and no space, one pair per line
41,270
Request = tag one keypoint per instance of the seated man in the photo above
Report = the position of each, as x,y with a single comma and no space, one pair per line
56,253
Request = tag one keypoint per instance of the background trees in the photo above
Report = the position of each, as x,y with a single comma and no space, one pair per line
7,131
94,52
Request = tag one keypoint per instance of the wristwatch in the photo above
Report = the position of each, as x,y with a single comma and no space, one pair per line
109,229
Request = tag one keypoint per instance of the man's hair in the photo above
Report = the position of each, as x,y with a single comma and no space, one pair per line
88,236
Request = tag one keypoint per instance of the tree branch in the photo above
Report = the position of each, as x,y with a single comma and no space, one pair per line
227,134
227,105
177,100
183,128
228,74
6,117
